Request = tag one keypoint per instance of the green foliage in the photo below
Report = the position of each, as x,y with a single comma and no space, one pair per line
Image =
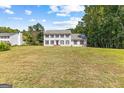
27,37
8,30
103,26
4,46
34,35
79,28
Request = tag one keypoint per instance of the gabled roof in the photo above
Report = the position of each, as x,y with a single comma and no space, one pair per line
57,32
78,36
6,34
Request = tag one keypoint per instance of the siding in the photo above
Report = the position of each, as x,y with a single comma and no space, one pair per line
14,39
59,38
71,42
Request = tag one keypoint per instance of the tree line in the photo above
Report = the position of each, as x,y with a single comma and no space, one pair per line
103,26
8,30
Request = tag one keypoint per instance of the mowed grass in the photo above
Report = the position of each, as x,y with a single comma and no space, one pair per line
37,66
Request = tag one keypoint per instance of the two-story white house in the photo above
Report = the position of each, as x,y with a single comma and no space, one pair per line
63,38
12,38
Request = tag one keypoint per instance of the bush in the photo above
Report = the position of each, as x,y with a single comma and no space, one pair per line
4,46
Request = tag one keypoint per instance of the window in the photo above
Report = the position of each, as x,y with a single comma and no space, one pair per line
81,42
46,42
52,42
52,36
62,42
75,42
4,37
67,42
67,35
7,36
62,35
57,36
47,36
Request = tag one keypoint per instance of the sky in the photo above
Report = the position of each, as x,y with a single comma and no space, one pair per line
50,16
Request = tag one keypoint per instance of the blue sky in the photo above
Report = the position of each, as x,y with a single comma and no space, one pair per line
50,16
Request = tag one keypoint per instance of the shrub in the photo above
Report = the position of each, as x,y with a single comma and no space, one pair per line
4,46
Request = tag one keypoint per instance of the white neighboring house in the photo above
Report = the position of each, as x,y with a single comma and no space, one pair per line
12,38
63,38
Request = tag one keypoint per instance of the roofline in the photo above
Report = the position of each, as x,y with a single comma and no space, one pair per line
59,32
55,29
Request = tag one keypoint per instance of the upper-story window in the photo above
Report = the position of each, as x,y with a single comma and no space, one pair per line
47,36
4,37
52,36
62,35
67,35
57,36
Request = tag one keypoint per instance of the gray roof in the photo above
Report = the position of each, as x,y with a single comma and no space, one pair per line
6,34
57,32
78,36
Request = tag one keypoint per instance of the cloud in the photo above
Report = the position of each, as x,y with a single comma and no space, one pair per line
65,10
43,20
32,20
28,12
5,6
16,18
53,8
72,8
62,14
9,11
68,23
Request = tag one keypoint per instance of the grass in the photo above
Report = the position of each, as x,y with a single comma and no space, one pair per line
37,66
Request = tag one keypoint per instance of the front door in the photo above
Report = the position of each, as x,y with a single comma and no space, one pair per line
57,42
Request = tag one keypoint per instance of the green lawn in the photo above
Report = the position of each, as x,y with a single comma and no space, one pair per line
37,66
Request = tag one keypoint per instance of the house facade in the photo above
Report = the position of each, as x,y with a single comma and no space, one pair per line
63,38
12,38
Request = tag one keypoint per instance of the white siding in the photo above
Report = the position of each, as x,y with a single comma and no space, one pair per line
59,39
78,43
15,39
4,39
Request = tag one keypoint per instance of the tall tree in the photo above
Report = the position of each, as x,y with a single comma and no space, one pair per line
8,30
36,33
103,26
